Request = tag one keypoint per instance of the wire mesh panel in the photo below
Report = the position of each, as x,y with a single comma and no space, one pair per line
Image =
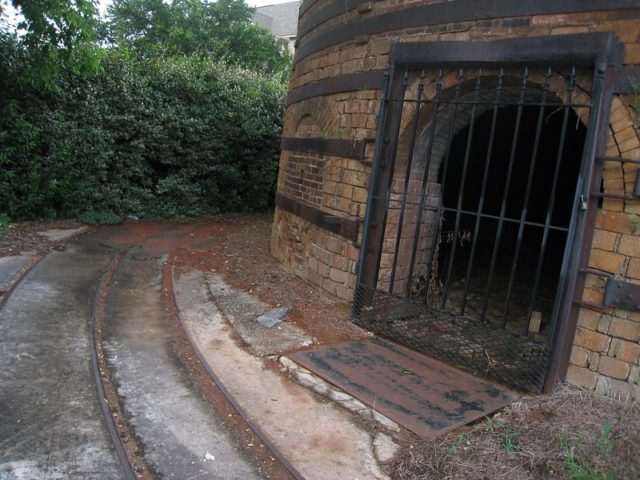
474,197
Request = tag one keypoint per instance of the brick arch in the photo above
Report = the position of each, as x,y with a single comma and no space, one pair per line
509,93
317,112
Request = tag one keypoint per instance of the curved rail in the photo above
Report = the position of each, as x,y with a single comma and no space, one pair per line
168,270
96,309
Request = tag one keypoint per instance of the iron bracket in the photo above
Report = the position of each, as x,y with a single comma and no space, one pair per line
622,294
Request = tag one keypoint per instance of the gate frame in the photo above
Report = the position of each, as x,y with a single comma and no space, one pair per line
601,51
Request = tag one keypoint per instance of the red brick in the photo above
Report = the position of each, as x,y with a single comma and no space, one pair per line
614,222
633,271
630,245
604,240
605,261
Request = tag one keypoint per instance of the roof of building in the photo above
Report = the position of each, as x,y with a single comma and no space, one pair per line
281,19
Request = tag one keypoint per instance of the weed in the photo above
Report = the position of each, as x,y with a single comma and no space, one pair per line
510,440
587,463
462,443
5,221
635,222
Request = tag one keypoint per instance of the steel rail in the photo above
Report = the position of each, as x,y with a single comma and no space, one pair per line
116,440
218,383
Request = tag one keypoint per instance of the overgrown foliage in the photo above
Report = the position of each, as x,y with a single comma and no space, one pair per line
159,137
220,28
173,128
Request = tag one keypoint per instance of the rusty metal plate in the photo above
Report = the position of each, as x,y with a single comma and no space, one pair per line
622,294
418,392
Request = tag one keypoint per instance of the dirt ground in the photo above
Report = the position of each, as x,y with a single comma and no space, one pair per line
571,434
18,238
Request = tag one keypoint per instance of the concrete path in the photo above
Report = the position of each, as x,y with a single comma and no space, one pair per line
51,425
10,266
181,436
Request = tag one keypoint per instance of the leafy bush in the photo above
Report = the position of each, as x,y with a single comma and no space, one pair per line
155,137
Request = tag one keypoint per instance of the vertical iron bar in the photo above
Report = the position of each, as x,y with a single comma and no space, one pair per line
583,188
463,179
371,199
483,189
425,178
578,243
554,184
445,166
390,166
507,188
407,178
523,215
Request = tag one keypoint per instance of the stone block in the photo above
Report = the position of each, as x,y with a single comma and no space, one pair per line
614,368
627,329
337,275
588,319
613,388
582,377
590,340
579,357
625,351
604,323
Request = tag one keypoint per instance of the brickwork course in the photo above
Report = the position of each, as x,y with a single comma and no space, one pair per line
606,343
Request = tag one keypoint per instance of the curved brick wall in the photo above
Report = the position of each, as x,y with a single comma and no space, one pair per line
335,89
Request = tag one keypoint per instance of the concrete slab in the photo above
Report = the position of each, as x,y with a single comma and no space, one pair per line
179,431
50,420
318,439
57,234
10,266
243,309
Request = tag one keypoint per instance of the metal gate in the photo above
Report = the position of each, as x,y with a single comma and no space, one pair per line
480,199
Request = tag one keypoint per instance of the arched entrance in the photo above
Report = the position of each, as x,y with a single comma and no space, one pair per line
479,191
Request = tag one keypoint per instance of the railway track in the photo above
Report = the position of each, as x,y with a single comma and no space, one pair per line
135,442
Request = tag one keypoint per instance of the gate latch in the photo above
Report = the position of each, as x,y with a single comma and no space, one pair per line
583,202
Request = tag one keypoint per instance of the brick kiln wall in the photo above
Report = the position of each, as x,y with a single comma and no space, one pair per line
606,349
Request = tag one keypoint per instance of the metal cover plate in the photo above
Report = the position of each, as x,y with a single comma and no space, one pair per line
418,392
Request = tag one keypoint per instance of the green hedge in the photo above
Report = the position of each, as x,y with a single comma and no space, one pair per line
162,137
